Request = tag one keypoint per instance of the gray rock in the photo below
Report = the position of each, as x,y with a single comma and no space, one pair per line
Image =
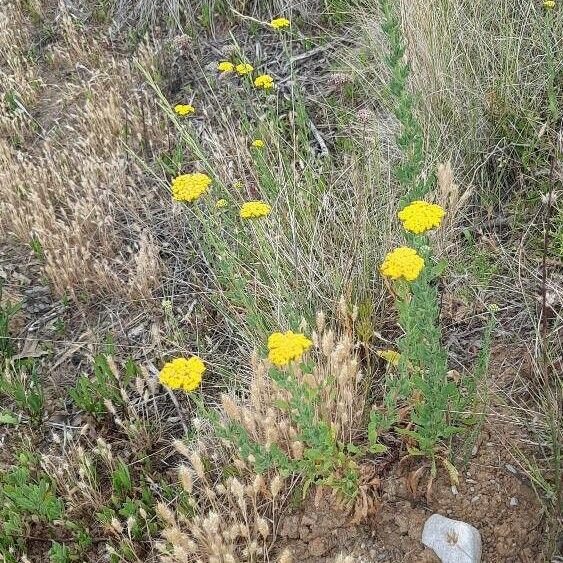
451,540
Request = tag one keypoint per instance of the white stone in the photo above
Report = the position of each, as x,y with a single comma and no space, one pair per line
451,540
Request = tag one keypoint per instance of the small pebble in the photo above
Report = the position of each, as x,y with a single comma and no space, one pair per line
511,468
513,501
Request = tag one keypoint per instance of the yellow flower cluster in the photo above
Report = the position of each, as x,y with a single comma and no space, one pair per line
279,23
182,373
184,109
284,347
221,204
244,68
258,143
254,210
225,66
264,81
420,216
549,4
403,262
189,187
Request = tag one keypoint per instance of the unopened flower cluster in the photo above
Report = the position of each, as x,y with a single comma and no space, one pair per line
285,347
420,217
189,187
403,262
182,373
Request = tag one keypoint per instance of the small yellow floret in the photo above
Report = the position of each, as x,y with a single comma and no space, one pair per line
221,204
278,23
549,4
264,81
258,143
225,66
254,210
244,68
182,373
284,347
238,185
403,262
420,216
189,187
184,109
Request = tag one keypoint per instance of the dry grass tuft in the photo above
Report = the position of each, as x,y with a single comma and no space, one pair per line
68,192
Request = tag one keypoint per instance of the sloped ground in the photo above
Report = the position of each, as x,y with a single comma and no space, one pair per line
63,335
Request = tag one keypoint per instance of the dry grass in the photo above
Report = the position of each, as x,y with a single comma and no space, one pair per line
89,143
68,191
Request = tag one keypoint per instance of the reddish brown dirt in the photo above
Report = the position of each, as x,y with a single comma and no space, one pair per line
492,495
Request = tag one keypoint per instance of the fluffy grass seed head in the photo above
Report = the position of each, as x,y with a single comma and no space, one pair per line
221,204
254,210
189,187
264,81
403,262
284,347
183,373
183,110
244,68
225,66
549,4
279,23
421,216
258,144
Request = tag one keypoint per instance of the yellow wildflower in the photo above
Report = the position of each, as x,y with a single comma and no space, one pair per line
221,204
278,23
390,356
286,347
244,68
264,81
189,187
403,262
184,110
420,216
225,66
258,143
549,4
254,210
238,185
182,373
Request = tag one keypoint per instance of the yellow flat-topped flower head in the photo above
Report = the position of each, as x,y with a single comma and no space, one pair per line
279,23
264,81
420,216
403,262
254,210
189,187
221,204
258,143
244,68
182,373
225,66
285,347
549,4
183,110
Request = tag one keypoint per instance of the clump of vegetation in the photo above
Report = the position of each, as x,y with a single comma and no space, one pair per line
298,176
